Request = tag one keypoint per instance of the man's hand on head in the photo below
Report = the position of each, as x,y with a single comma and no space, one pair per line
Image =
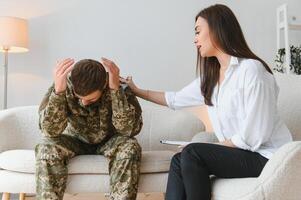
60,73
113,71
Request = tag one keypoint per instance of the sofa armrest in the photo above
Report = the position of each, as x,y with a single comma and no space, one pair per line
5,132
207,137
19,128
281,177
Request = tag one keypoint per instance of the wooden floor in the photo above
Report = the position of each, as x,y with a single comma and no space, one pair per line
97,196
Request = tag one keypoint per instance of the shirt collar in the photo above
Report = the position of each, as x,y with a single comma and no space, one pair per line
232,64
233,61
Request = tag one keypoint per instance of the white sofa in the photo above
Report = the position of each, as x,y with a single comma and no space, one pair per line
19,134
279,180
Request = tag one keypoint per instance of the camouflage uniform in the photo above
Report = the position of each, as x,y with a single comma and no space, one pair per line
105,127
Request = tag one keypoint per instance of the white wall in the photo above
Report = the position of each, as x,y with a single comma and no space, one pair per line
151,40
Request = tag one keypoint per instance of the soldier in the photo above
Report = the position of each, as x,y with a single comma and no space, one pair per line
88,112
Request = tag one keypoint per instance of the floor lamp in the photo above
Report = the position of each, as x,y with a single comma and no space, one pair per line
13,39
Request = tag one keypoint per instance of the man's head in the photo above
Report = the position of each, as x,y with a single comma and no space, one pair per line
89,79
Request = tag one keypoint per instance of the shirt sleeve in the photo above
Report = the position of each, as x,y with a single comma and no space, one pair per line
261,110
188,96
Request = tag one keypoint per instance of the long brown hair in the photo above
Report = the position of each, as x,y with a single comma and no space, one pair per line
226,34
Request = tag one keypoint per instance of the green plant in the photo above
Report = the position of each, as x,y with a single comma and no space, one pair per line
295,64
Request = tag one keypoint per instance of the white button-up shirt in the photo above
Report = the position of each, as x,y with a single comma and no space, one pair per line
244,107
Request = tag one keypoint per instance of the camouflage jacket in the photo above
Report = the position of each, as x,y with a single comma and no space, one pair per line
116,112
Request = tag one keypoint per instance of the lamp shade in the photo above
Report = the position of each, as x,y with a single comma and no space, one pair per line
13,34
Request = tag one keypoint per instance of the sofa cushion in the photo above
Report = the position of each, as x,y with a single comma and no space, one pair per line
24,161
15,182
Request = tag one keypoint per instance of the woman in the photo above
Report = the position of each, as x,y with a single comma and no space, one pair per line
241,94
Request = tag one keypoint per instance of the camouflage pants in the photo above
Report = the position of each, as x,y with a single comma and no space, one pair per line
53,155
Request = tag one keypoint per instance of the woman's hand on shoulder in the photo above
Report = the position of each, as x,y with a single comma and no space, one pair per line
129,81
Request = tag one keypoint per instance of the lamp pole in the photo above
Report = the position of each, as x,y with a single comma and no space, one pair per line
5,76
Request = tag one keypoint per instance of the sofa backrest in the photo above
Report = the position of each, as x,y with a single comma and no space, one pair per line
161,123
19,127
289,102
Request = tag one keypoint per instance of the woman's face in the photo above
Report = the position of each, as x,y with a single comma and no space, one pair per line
202,38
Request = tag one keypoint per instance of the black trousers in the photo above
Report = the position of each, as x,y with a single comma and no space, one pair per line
190,170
